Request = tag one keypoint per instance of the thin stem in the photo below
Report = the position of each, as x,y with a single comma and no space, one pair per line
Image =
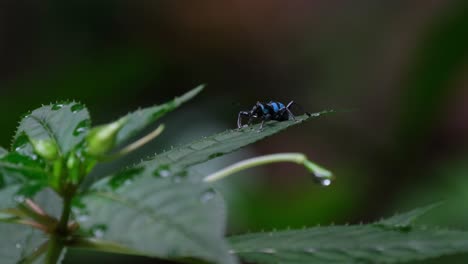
142,141
33,224
63,222
56,243
35,207
42,218
100,245
55,246
321,175
135,145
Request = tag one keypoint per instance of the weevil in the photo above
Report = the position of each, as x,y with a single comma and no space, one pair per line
267,111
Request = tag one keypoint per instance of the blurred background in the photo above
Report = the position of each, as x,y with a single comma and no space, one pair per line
402,65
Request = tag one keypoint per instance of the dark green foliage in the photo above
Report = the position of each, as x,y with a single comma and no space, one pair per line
161,208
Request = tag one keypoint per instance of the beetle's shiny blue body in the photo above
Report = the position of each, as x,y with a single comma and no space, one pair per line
267,111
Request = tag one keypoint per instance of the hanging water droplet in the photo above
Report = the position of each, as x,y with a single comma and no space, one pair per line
57,107
325,182
76,108
321,175
18,245
207,195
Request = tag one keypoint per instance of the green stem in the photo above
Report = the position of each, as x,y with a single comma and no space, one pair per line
56,242
63,222
55,246
321,175
135,145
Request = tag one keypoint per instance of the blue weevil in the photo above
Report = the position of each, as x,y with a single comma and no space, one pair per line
267,111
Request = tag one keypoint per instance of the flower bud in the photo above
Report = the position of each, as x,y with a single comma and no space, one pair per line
101,139
45,148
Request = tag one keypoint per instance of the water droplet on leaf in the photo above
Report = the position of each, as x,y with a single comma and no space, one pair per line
76,108
82,127
82,218
207,195
98,231
162,171
19,198
124,177
57,107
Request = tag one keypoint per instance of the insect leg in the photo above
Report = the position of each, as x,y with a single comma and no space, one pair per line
239,118
261,126
291,115
298,105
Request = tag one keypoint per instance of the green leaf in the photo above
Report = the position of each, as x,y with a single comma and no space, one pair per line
178,159
404,221
348,244
64,124
16,168
18,242
138,120
182,217
3,152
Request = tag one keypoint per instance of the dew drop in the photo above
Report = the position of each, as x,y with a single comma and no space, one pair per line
21,142
162,171
83,126
80,214
18,245
325,182
82,218
19,198
18,149
128,182
57,107
76,108
124,177
98,231
207,195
